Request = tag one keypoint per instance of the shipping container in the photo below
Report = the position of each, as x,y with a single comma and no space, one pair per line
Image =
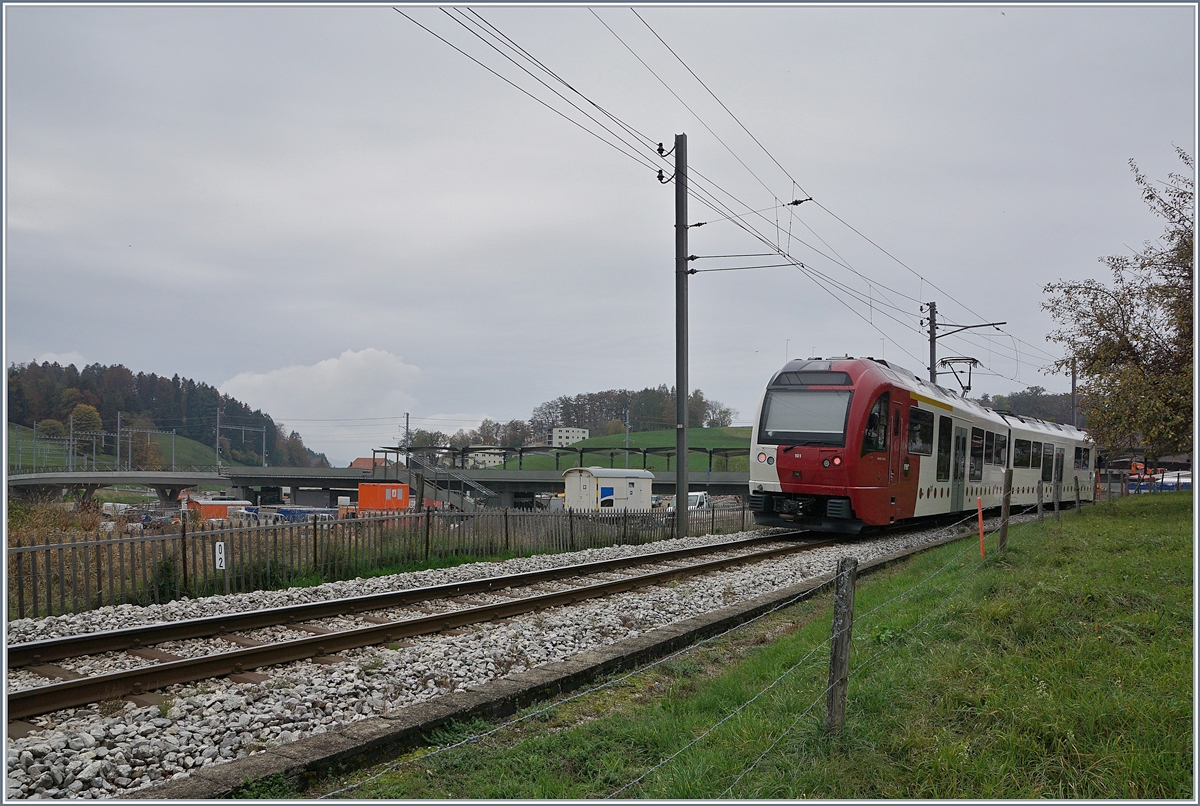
215,509
382,495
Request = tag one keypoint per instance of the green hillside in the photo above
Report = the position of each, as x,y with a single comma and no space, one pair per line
188,454
733,438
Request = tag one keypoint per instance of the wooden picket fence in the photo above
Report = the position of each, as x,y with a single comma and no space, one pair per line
56,573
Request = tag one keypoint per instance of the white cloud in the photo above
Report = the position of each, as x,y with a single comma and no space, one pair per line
63,359
341,406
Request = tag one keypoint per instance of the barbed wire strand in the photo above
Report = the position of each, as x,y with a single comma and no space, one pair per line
608,684
881,652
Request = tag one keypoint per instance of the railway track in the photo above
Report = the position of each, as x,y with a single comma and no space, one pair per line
166,669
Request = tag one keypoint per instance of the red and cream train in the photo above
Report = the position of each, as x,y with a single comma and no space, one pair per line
844,443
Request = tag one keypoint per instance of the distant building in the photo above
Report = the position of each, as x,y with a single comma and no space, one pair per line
365,464
485,456
562,437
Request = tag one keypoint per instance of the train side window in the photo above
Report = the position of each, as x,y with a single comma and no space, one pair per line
875,437
1035,455
1001,455
920,431
1078,458
945,440
1047,462
1021,452
1087,458
976,454
989,448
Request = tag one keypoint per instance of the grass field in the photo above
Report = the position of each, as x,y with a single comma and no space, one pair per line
737,439
1061,668
187,452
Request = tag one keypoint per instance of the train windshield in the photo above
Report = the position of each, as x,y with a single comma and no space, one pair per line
805,417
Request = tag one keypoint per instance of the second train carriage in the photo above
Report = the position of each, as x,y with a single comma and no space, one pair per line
844,443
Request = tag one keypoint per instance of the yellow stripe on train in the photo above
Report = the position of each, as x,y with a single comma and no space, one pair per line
931,401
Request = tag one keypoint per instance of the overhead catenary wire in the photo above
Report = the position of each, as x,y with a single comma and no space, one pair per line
712,201
464,23
523,91
819,204
529,56
685,105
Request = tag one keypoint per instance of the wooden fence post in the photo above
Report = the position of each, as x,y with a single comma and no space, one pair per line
506,529
1040,514
1057,496
1004,509
1078,499
183,549
571,529
428,518
839,651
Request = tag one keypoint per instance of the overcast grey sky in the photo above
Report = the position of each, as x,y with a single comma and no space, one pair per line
331,214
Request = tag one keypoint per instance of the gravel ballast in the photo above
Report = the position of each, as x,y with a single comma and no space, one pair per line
116,747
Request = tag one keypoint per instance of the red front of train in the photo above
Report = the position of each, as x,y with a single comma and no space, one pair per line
827,452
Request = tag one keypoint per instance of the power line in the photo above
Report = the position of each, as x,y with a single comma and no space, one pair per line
685,105
513,44
719,101
700,194
543,83
797,184
523,91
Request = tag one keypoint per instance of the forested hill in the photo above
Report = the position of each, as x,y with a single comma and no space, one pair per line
1034,402
38,393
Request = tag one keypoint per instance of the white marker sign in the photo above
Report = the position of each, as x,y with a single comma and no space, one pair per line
219,559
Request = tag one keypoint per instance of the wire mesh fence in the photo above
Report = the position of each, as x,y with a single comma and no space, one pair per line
54,572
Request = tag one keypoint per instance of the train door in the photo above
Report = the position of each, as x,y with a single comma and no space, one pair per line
894,447
1059,457
958,476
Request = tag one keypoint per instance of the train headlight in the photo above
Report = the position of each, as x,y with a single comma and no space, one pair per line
762,456
770,460
824,463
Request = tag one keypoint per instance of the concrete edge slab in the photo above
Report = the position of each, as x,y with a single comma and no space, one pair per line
375,739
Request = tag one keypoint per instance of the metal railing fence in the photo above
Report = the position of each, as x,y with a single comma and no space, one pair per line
51,573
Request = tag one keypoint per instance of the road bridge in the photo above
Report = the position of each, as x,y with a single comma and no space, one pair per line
166,483
321,486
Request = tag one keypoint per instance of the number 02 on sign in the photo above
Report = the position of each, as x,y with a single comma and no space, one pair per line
219,556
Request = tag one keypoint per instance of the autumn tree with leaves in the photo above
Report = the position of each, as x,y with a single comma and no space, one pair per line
1132,339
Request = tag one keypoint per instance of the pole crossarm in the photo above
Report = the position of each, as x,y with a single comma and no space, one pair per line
960,328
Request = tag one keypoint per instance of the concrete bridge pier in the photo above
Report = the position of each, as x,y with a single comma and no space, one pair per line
166,495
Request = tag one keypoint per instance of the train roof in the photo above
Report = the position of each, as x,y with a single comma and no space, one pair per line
932,393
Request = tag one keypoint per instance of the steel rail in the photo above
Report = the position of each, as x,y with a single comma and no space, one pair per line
74,646
83,691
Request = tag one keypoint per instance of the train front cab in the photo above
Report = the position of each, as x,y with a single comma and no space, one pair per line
828,453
